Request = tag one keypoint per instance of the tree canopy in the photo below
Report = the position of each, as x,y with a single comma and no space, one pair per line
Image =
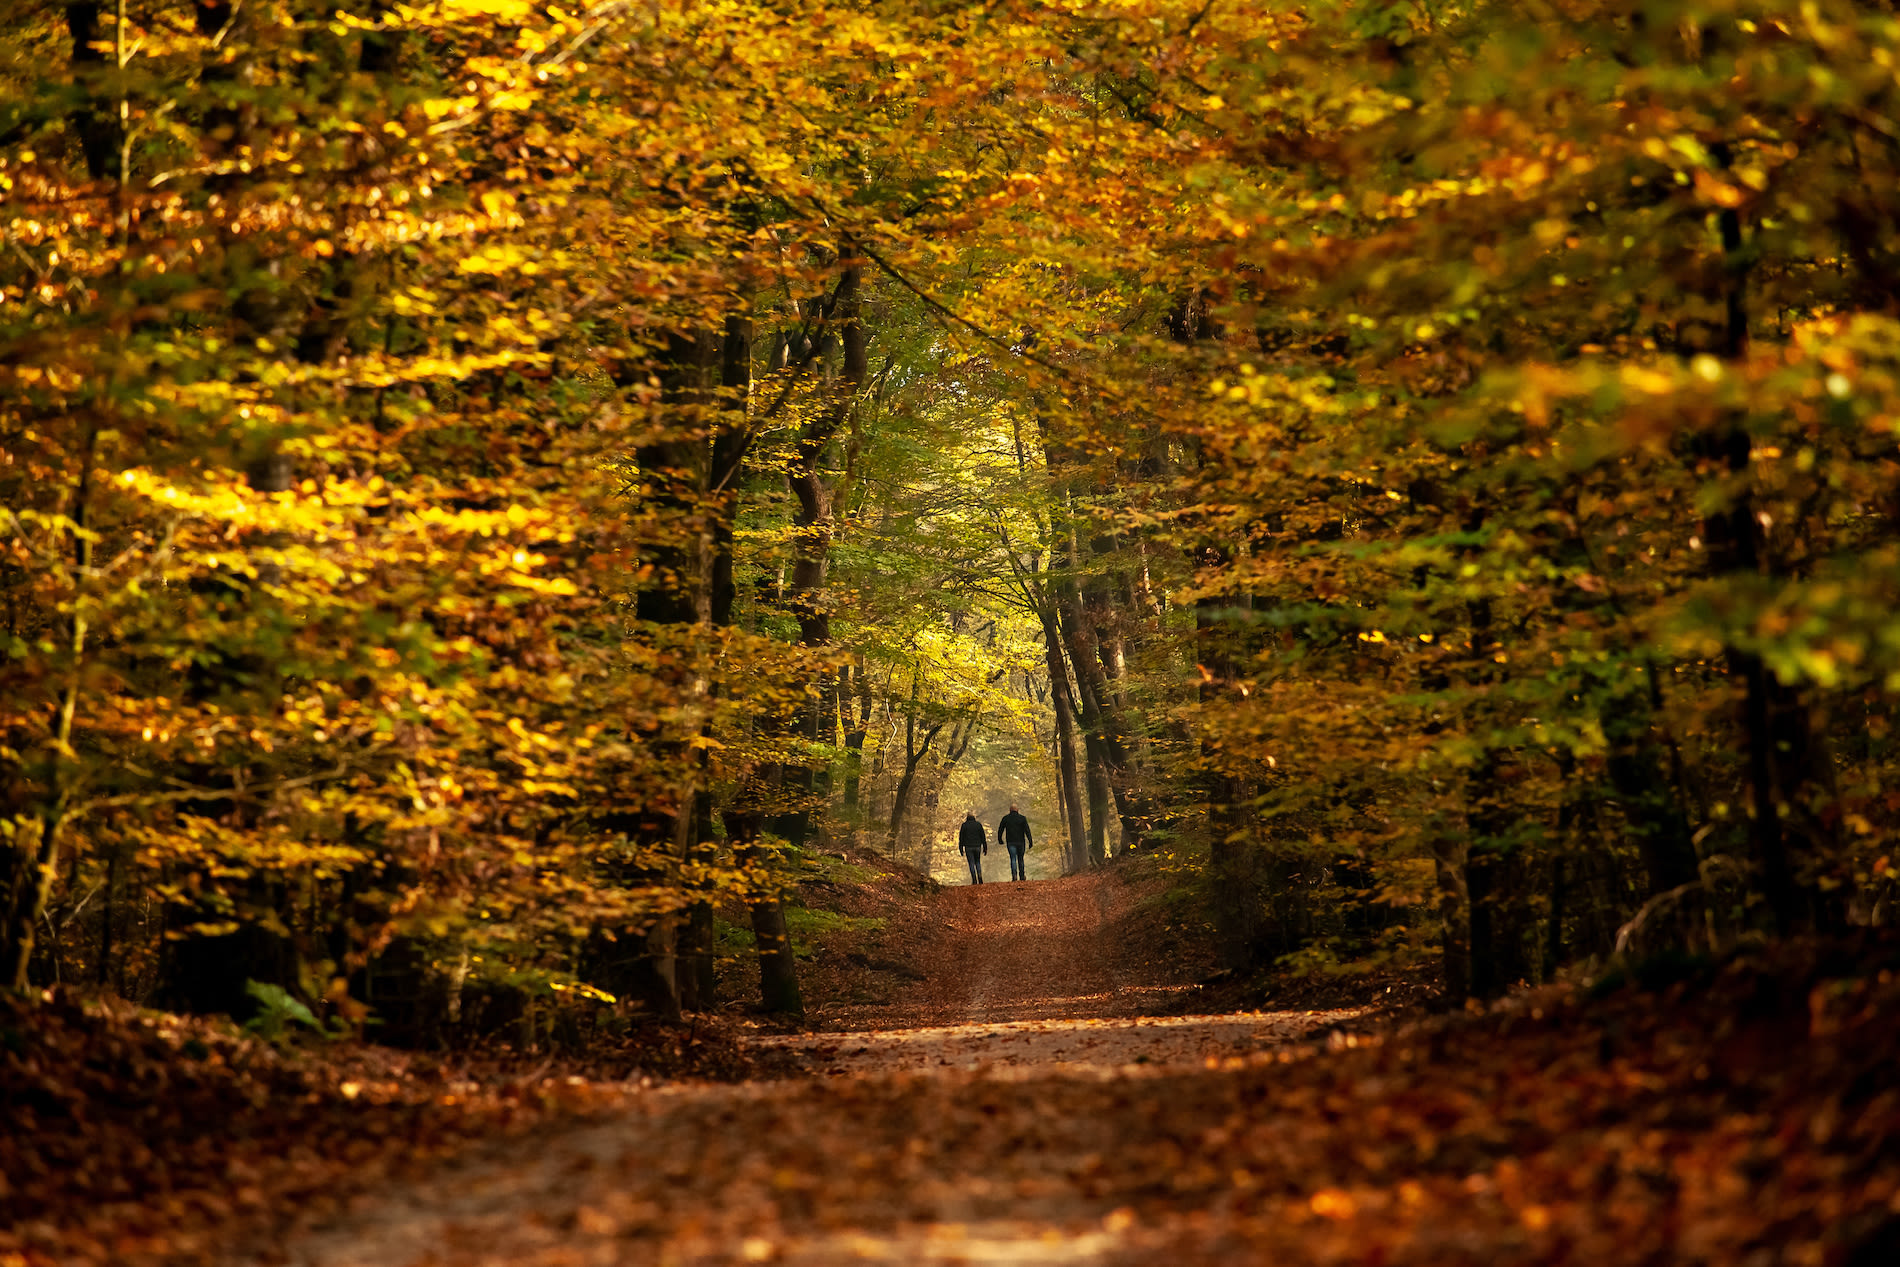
485,485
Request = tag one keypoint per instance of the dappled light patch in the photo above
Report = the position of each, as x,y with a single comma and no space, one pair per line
1102,1046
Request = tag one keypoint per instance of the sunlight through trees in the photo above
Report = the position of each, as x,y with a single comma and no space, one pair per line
488,490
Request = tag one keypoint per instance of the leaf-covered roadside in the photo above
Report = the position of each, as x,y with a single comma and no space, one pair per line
130,1137
1748,1114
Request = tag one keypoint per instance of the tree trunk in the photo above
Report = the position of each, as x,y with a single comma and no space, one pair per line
813,524
1232,858
1558,898
675,472
695,975
713,608
855,703
97,129
1095,778
1496,890
913,758
1112,617
1454,913
1102,729
1497,870
778,964
1787,767
1638,768
1066,773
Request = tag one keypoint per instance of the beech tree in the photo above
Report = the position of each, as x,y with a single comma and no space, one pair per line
466,472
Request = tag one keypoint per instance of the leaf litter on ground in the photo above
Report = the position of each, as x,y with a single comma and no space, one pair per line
131,1136
1746,1113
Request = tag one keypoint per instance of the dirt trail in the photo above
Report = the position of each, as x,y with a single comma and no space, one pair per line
1024,952
1008,1118
1021,976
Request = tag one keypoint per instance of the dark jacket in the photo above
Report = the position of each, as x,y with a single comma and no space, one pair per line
972,838
1014,830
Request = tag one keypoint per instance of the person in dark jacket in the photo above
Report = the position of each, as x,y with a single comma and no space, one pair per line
1014,832
973,842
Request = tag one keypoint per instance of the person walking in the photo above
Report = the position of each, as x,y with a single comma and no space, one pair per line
1014,832
973,842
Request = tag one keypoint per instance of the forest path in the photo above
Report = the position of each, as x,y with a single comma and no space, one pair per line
1020,1113
1034,950
1025,975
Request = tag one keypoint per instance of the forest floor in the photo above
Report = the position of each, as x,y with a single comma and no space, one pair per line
1010,1086
1041,975
1018,1100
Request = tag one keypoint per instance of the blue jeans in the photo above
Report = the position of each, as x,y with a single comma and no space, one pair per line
976,865
1017,871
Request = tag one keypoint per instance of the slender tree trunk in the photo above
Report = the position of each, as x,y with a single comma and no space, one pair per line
813,524
1787,768
98,131
1234,858
1097,645
1498,891
1639,768
1095,780
778,963
1497,873
1111,641
855,703
1037,592
675,471
1454,913
104,974
1062,804
698,980
913,758
713,608
1102,730
1103,727
1066,773
778,968
34,862
1113,619
1559,895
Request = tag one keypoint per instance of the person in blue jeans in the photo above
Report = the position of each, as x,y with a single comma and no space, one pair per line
973,842
1014,832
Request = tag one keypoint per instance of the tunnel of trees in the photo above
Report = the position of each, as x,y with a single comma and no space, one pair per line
482,483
